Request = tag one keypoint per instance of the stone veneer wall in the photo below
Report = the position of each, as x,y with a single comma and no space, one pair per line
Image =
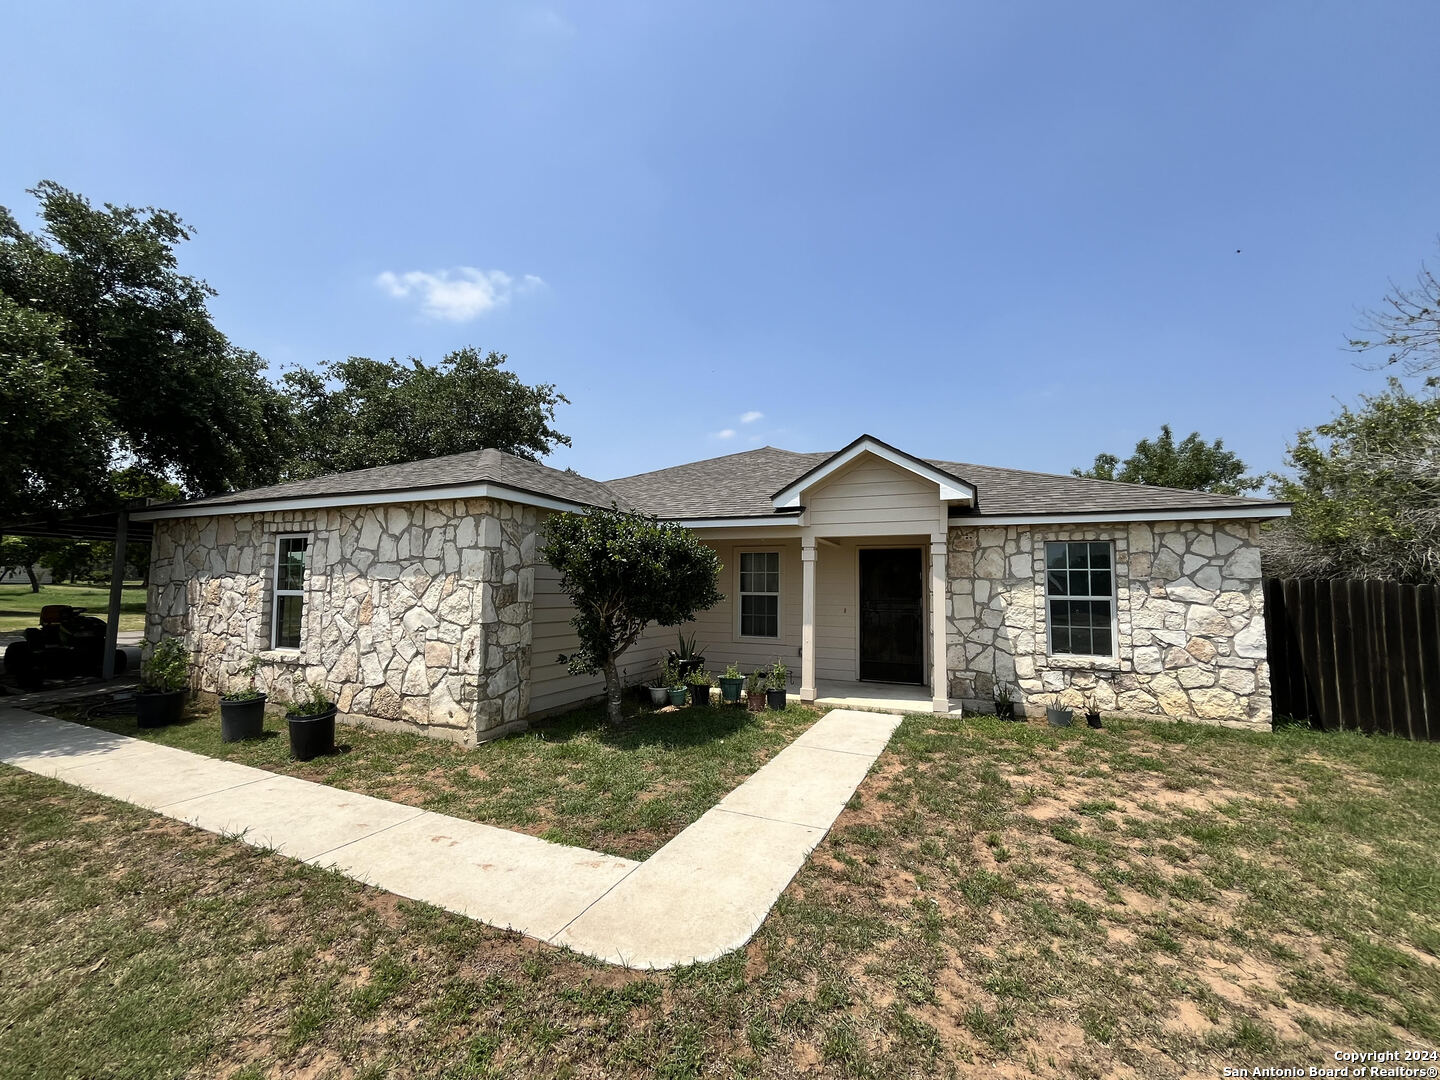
416,615
1190,620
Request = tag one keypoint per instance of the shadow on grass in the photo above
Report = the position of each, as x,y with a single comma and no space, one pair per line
686,727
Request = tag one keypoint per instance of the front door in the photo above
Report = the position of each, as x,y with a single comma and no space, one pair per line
892,615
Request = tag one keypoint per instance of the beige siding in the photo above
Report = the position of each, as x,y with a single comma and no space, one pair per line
551,684
837,612
719,628
873,495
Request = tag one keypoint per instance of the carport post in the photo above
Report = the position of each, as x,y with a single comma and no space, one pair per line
117,586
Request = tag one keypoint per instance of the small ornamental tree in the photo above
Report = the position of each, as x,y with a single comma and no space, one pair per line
623,572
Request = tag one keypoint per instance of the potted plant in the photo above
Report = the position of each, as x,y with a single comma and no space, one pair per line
242,712
1004,701
1092,708
674,686
164,676
687,656
312,724
1057,714
755,690
660,692
775,690
731,683
699,683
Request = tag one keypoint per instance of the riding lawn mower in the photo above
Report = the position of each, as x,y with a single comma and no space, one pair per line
67,643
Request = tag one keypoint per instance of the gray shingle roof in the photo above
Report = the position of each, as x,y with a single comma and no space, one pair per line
740,485
736,485
475,467
1015,491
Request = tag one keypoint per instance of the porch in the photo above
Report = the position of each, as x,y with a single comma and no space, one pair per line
875,697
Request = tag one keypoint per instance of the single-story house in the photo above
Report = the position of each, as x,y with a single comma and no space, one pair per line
414,592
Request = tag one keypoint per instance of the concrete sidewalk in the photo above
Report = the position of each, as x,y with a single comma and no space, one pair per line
703,894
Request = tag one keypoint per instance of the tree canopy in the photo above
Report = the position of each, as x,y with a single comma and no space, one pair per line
623,572
1366,493
109,360
93,301
1193,465
359,413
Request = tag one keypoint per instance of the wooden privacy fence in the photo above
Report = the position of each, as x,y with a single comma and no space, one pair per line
1360,655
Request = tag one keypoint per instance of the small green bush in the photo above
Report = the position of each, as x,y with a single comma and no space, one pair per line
167,668
313,702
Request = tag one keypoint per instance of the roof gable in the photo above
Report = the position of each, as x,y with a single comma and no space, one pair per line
952,488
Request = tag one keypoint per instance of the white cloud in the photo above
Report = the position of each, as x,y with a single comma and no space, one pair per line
460,294
751,416
728,433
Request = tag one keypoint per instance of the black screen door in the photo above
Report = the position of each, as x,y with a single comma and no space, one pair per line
892,615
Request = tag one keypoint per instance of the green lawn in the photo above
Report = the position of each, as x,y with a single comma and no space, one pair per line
19,607
1148,900
571,779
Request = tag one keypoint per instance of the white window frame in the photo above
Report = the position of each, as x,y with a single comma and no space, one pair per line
276,592
1113,598
778,593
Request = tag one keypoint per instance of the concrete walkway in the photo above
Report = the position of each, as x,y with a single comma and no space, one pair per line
700,896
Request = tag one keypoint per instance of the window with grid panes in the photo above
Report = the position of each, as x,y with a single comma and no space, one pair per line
289,609
760,594
1080,596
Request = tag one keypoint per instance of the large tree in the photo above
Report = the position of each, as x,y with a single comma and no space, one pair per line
1406,327
623,572
1193,465
1366,493
359,413
55,429
96,296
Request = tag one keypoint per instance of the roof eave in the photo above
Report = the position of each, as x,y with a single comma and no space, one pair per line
1105,517
486,489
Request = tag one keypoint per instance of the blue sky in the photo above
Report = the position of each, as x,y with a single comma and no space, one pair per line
1001,233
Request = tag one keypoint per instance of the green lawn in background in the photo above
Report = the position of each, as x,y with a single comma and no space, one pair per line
19,607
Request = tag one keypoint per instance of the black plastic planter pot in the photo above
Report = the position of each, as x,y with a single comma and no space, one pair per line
1093,719
158,710
1005,710
242,719
699,695
775,699
311,736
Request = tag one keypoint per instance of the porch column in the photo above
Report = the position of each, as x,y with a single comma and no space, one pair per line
939,672
117,592
807,619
